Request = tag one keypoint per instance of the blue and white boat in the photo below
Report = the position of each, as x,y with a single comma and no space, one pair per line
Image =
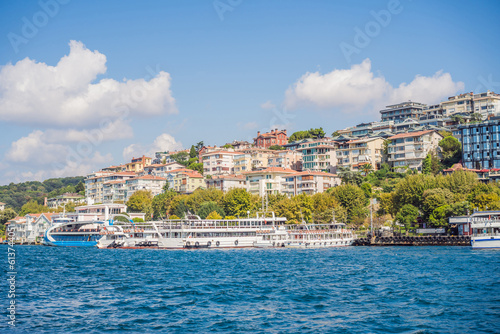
67,232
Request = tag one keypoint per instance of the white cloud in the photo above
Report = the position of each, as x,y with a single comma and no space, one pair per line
358,89
40,156
66,95
268,105
163,142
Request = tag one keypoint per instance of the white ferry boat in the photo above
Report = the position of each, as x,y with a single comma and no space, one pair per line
483,227
192,232
319,236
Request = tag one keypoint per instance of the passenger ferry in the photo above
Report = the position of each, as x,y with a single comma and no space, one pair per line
319,236
67,232
192,232
483,227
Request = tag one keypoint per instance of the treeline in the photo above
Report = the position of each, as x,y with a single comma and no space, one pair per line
15,195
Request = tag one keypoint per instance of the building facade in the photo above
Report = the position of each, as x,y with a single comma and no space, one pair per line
408,150
309,183
267,181
274,137
62,200
218,162
187,181
318,155
226,182
356,153
401,111
481,145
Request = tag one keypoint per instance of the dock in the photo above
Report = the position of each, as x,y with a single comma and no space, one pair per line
446,240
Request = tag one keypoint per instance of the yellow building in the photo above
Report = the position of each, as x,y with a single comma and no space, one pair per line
187,181
137,164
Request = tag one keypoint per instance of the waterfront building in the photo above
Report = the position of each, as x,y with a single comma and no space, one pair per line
309,183
401,111
355,153
218,162
408,150
481,144
318,155
187,181
274,137
62,200
30,228
151,183
226,182
267,181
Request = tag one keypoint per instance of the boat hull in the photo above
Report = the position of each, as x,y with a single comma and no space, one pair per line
485,242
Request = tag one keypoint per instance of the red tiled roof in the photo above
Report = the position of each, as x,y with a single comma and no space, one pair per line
313,173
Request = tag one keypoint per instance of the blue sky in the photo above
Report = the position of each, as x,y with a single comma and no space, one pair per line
224,70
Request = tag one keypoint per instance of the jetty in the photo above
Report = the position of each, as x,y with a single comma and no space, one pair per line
444,240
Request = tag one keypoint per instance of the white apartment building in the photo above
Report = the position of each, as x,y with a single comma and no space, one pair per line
309,183
408,150
251,159
152,183
62,200
218,162
94,184
162,170
267,181
358,152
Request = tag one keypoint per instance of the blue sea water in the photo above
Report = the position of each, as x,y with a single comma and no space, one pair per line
344,290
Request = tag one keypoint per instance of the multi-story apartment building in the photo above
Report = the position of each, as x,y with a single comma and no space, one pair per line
267,181
462,103
226,182
285,159
408,150
64,199
356,153
365,129
275,137
137,165
114,191
218,162
94,184
251,159
162,169
152,183
309,183
487,104
401,111
481,145
187,181
318,155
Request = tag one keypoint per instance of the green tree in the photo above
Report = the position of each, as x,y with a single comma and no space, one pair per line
434,198
276,147
427,164
407,215
353,199
237,202
80,188
305,205
451,150
367,168
214,215
141,201
335,134
199,146
161,203
209,207
197,166
192,152
228,146
181,157
33,207
7,215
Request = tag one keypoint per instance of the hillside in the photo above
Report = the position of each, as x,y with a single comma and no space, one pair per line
15,195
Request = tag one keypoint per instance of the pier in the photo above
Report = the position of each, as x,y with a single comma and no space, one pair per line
446,240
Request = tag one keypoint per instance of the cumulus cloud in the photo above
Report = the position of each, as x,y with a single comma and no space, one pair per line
40,156
68,94
163,142
358,89
268,105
